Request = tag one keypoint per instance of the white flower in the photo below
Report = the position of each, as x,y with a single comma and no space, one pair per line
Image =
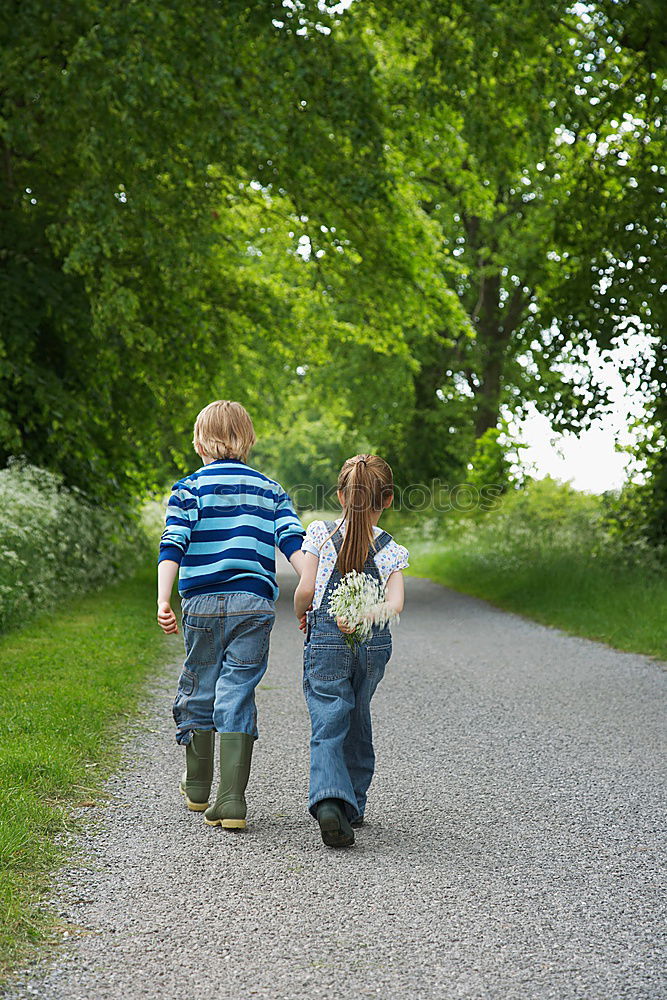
55,542
358,600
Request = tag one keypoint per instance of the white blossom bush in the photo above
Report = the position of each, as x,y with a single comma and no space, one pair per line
54,542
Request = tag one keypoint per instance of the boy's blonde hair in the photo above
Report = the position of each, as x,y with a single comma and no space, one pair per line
224,429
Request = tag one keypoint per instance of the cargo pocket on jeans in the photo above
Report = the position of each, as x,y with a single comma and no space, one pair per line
187,685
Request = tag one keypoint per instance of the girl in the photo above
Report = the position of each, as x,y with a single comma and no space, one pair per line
339,681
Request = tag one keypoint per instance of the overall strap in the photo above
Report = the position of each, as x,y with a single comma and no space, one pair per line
334,533
370,567
382,539
335,536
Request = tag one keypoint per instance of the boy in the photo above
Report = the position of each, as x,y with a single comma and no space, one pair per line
223,523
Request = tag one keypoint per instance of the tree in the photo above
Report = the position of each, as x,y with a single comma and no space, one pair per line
534,136
384,226
525,147
131,131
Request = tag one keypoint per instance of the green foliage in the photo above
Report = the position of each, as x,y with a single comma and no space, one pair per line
490,463
134,137
543,513
81,670
543,516
534,136
653,452
430,211
637,515
55,543
526,149
306,457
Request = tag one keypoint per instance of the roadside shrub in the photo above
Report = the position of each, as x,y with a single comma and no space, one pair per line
535,522
54,542
543,521
549,552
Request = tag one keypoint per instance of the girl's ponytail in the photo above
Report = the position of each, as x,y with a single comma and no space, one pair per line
366,481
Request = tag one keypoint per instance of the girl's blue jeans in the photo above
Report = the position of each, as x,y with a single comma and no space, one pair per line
339,682
227,646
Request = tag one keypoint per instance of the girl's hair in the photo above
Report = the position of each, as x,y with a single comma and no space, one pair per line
366,482
224,429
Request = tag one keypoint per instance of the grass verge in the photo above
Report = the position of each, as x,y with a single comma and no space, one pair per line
70,677
622,605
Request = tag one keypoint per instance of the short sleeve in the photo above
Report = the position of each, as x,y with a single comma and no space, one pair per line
314,538
400,557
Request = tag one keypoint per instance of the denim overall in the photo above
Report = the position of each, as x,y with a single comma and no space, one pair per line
339,682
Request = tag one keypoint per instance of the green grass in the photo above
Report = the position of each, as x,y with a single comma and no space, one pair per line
70,678
619,604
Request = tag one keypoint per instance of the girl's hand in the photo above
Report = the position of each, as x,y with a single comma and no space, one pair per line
345,628
166,618
302,619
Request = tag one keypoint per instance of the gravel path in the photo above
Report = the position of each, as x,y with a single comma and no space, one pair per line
512,850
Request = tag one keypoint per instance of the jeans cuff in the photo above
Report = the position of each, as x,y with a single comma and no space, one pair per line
352,809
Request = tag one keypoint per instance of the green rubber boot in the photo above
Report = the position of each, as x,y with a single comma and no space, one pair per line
229,808
195,784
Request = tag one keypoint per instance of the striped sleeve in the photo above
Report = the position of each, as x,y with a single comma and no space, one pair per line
182,515
289,531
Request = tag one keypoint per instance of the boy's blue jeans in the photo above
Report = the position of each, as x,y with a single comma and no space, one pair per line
339,682
227,647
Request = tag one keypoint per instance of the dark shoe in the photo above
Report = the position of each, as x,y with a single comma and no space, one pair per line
334,826
195,784
229,808
356,823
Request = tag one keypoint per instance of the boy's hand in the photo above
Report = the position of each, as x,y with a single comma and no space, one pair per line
166,618
302,619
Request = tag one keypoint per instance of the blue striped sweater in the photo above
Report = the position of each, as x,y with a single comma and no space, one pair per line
223,523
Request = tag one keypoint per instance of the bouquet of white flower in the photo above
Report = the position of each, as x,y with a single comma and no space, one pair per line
358,601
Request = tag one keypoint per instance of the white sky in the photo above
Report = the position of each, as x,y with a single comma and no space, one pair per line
589,460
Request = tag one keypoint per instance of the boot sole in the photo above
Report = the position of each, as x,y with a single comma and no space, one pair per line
193,806
333,836
227,824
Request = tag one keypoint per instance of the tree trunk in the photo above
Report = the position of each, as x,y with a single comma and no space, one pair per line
488,395
495,323
494,320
